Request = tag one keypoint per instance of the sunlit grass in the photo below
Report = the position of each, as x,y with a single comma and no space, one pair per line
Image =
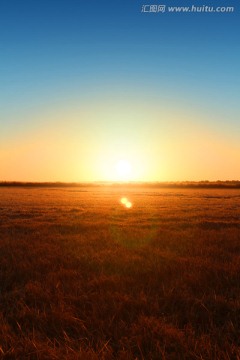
82,277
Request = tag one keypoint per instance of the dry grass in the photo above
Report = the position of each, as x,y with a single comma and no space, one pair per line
81,277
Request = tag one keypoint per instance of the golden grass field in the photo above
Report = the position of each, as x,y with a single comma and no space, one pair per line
83,277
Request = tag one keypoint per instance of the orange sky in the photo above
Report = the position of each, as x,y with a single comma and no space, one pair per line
87,142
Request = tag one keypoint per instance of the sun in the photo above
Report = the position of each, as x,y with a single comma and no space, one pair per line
123,170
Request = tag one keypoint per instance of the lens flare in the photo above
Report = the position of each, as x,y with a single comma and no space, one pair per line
128,205
124,201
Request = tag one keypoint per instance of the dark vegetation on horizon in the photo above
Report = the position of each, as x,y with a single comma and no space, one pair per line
229,184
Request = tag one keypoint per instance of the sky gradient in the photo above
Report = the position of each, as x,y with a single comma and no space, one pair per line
84,85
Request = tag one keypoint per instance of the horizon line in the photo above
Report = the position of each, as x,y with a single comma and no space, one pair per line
170,184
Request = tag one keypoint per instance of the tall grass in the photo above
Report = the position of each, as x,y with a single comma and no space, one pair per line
82,277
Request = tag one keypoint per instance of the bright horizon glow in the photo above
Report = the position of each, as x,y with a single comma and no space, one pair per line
178,149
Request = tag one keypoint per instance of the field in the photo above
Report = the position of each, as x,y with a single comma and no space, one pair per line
84,277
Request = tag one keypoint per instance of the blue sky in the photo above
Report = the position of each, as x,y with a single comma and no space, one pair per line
58,56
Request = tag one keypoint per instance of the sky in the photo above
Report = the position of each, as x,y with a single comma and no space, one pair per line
100,90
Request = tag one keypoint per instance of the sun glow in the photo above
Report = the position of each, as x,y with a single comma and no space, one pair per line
123,170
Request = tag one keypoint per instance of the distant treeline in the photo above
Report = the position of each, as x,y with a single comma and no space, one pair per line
234,184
